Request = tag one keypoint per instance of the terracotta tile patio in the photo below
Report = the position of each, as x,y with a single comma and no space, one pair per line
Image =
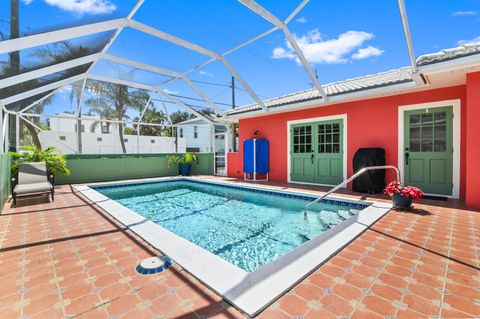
70,259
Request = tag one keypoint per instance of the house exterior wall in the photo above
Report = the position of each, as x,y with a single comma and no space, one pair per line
371,123
110,143
473,141
204,139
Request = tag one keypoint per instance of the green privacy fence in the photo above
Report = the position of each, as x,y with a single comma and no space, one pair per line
5,165
101,168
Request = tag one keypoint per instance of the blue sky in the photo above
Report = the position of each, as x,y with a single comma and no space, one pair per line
341,39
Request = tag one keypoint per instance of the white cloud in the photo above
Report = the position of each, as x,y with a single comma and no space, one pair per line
464,13
367,52
330,51
474,40
301,20
170,91
81,7
205,73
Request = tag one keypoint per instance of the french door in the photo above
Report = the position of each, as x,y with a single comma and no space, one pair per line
317,152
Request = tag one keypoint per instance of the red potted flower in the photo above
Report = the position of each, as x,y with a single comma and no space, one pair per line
402,196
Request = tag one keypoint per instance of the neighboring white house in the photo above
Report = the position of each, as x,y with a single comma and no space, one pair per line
198,135
102,139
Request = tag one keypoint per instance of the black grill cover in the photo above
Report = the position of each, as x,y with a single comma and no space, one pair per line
372,182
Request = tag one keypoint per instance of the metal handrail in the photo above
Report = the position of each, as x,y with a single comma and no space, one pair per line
348,180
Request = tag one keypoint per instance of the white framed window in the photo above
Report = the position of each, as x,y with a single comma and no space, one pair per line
195,132
181,132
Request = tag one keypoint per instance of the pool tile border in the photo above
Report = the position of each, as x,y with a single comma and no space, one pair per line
343,202
249,292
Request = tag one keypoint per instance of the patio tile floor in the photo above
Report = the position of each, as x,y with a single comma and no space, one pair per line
71,259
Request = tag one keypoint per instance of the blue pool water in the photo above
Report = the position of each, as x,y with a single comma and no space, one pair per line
245,227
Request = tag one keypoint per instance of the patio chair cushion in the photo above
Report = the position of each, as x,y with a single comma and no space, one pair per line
33,188
30,173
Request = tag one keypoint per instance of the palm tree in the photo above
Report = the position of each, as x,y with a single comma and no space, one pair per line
152,115
116,97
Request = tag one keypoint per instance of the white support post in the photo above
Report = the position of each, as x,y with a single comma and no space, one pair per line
42,89
78,115
28,107
194,47
6,134
258,9
17,132
296,11
162,71
2,134
35,74
80,101
59,35
148,88
203,95
31,123
243,83
117,32
140,120
408,38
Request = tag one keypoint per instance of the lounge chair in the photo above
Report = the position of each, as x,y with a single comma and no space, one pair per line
32,179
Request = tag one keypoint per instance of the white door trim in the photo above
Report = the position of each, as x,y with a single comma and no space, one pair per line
342,117
455,104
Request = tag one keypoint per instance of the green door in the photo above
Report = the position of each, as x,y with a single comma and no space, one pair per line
302,155
317,152
429,150
329,152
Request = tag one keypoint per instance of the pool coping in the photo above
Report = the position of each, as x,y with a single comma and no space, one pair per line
249,292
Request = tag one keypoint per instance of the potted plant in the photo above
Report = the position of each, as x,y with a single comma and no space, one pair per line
184,162
54,161
402,196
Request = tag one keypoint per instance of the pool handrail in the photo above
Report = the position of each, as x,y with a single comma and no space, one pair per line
348,180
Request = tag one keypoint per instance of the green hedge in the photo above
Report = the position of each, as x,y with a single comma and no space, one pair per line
110,167
5,167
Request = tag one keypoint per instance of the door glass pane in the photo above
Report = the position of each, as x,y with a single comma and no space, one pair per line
328,148
414,146
336,127
302,139
414,133
427,146
440,145
427,119
440,132
427,132
336,137
414,119
336,148
440,118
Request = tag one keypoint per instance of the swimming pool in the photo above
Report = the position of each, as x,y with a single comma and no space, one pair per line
249,243
247,228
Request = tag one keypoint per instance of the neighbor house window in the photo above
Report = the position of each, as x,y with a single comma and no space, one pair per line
152,141
125,140
181,132
82,128
195,132
99,139
105,129
62,138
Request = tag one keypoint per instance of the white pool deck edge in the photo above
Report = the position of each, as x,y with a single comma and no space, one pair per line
250,292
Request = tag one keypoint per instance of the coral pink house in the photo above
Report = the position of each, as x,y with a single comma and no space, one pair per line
427,123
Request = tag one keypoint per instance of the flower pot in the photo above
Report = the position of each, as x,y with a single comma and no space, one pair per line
401,201
184,169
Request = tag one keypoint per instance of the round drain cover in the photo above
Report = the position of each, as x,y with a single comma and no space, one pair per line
154,265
